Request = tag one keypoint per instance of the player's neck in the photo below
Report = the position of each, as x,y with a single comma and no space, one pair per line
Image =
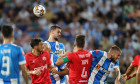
51,39
79,48
35,52
109,56
7,41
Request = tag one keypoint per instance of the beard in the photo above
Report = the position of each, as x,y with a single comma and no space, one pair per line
113,59
56,39
39,50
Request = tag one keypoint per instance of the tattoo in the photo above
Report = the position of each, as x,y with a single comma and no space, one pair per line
117,73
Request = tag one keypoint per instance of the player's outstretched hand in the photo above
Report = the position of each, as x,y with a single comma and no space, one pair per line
124,77
54,70
37,72
117,82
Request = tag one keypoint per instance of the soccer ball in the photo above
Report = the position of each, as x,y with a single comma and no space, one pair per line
39,10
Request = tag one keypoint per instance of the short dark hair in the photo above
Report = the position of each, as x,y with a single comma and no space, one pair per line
35,42
54,27
115,48
7,31
80,40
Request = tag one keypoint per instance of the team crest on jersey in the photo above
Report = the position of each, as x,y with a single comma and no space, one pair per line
44,58
33,61
98,66
112,65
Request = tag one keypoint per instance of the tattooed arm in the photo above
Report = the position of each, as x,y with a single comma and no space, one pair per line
118,76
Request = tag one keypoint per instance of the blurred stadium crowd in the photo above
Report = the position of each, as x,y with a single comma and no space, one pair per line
104,22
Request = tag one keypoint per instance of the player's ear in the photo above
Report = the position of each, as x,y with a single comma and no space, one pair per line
1,35
35,47
12,35
74,43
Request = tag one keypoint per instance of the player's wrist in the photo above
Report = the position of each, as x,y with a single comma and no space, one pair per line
129,77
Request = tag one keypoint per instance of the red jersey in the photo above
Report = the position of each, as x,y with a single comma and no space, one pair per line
40,62
79,68
136,60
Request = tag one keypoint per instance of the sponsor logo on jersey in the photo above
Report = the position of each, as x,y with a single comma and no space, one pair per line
44,58
33,61
98,66
41,68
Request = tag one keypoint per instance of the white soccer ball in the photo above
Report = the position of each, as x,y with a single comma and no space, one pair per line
39,10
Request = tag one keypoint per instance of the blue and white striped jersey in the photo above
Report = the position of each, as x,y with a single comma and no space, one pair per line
100,67
56,49
11,56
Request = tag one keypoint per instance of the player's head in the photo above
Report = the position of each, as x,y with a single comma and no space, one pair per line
115,53
55,31
80,41
37,44
7,32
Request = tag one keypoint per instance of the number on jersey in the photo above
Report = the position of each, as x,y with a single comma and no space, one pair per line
5,64
84,73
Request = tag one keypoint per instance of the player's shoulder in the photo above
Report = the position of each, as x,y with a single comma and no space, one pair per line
61,44
45,52
137,56
14,46
97,52
45,42
72,53
28,55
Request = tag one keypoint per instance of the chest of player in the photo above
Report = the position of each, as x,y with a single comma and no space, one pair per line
107,67
39,62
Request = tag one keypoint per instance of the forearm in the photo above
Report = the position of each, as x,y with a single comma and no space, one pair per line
118,74
138,76
134,74
129,70
25,76
30,72
24,73
64,72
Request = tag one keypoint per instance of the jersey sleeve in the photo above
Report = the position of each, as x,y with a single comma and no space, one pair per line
62,46
21,57
117,64
134,62
70,57
47,43
49,59
97,53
